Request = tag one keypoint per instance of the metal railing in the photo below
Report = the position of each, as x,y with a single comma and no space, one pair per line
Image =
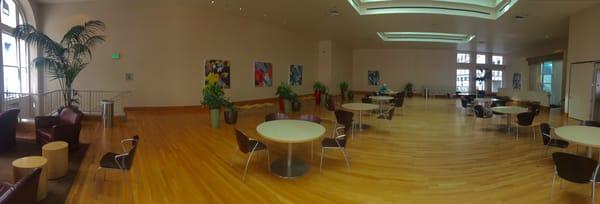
32,105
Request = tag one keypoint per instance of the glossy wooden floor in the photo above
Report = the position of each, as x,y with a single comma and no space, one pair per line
433,153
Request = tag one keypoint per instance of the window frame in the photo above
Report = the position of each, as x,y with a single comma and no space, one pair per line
8,30
466,75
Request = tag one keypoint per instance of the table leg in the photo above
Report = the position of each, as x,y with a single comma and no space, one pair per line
289,160
508,117
589,152
360,120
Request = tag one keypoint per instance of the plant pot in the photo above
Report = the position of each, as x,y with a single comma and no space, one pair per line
214,117
343,94
324,96
230,117
317,97
350,96
281,104
287,106
296,105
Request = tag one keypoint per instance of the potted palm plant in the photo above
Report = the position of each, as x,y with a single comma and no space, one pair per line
343,89
285,95
64,60
230,113
213,98
408,89
317,90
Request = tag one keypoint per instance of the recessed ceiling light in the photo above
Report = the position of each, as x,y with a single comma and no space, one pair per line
240,8
519,17
425,37
334,13
212,2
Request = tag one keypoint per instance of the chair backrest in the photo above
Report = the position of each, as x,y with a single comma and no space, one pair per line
311,118
464,102
525,118
275,116
545,130
25,190
8,122
70,116
479,112
131,153
242,141
366,99
399,101
534,108
590,123
330,104
345,118
574,168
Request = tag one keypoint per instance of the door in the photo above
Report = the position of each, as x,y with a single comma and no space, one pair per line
581,82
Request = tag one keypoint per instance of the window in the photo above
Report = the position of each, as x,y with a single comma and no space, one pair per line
15,53
462,80
497,60
481,59
496,80
464,58
480,82
547,77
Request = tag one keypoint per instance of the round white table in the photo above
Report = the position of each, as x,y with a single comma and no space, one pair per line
360,107
290,132
381,100
509,111
583,135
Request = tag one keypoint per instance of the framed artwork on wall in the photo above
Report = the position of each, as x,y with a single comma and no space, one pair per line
296,74
517,81
373,77
263,74
219,69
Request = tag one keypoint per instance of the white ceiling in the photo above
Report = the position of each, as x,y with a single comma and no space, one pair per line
546,21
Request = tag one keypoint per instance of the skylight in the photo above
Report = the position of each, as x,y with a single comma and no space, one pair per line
425,37
488,9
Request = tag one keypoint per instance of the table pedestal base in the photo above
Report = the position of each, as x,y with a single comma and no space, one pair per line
298,168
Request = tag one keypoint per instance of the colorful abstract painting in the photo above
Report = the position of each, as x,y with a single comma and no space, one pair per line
373,78
296,74
220,69
263,74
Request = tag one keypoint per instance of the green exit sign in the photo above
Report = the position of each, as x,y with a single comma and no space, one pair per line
116,56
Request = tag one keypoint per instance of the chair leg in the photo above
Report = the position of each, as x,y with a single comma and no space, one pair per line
551,188
517,132
312,150
533,130
247,163
593,192
268,160
321,163
346,158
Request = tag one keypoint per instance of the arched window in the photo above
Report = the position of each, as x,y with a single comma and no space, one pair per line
15,53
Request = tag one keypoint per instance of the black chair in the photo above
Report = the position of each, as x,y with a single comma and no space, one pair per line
526,120
465,104
345,119
122,161
341,139
590,123
249,146
398,101
8,129
576,169
481,112
534,108
275,116
548,140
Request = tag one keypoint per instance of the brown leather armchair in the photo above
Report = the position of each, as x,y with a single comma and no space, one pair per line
65,127
22,192
8,129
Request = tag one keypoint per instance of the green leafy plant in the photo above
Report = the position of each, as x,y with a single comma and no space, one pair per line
229,106
64,60
317,86
213,96
344,86
284,90
408,88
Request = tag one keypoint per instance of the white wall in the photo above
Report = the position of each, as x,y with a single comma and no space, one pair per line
164,45
422,67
